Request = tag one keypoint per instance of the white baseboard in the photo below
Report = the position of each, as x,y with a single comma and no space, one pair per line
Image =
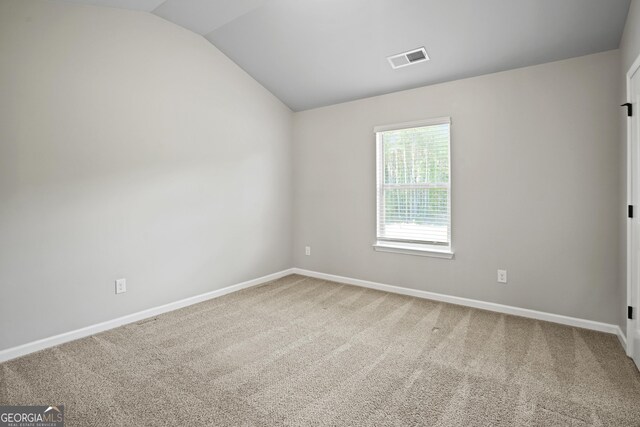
24,349
500,308
622,338
21,350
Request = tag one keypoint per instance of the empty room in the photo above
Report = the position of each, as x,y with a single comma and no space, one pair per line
319,212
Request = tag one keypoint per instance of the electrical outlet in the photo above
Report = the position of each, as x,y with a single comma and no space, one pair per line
307,250
502,276
121,286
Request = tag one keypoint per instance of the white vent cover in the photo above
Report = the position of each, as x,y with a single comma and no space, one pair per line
411,57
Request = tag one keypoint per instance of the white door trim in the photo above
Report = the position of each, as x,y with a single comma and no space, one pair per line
630,342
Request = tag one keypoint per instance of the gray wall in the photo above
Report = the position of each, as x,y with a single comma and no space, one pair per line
129,147
630,43
535,160
629,51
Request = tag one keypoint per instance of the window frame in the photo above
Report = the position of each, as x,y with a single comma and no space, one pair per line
423,248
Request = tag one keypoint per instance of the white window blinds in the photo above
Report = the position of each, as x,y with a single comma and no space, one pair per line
413,183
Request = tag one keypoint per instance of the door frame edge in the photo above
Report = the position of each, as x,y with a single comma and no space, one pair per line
629,330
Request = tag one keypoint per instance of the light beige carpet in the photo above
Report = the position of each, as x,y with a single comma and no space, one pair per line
302,351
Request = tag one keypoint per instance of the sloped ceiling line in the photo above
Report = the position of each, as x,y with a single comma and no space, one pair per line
312,53
205,16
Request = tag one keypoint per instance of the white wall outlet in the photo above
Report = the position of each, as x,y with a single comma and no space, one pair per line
121,286
502,276
307,250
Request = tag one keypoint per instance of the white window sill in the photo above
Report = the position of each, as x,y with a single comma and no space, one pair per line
414,249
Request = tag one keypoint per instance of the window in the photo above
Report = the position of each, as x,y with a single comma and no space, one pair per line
414,188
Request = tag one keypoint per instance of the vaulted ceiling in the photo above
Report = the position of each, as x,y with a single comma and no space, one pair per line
311,53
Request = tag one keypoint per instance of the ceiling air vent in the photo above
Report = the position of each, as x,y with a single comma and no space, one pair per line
408,58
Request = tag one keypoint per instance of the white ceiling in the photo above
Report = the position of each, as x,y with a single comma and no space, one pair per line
204,16
146,5
312,53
